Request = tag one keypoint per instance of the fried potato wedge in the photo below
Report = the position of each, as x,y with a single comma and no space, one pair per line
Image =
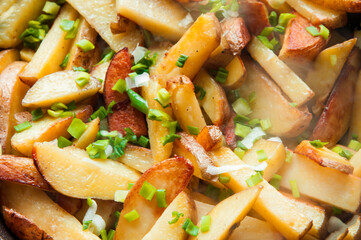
46,129
164,18
353,6
317,14
356,163
60,167
322,183
229,133
235,34
100,14
21,170
276,156
5,5
325,72
256,15
156,130
172,175
210,138
78,58
13,21
354,228
355,125
198,42
187,113
298,44
136,157
162,230
335,118
271,204
324,157
59,87
26,54
89,134
296,89
8,56
34,209
236,74
215,102
287,121
229,213
253,229
124,115
100,72
51,51
12,91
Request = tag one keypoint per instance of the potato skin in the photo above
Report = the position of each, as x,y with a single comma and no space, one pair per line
256,15
236,34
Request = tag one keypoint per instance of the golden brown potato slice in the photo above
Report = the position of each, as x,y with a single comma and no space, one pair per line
287,121
8,56
276,156
100,71
356,163
294,87
59,87
354,228
187,113
256,15
324,157
335,118
60,167
5,5
210,138
161,48
39,213
322,183
215,102
26,54
51,51
21,170
46,129
172,175
77,57
271,204
198,42
235,34
229,213
327,68
355,124
100,14
163,230
298,44
88,135
164,18
136,157
12,91
14,20
318,14
236,74
342,5
124,115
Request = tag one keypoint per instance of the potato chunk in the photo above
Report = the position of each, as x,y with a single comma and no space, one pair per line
8,56
342,5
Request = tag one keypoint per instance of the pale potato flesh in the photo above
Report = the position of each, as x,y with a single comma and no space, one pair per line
8,56
322,183
98,178
43,212
236,74
59,87
89,134
100,71
137,157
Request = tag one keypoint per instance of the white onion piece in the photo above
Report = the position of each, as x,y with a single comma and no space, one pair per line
108,151
139,53
275,139
97,224
139,81
89,215
254,135
230,168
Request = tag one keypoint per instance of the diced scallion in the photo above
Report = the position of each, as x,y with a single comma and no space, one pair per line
181,60
205,223
143,141
324,32
276,181
294,189
51,8
354,144
289,155
222,75
131,216
224,179
239,152
64,142
242,130
120,86
176,215
77,128
158,115
190,228
82,79
285,18
241,107
37,114
267,31
254,179
147,191
65,61
137,101
264,40
272,18
261,155
85,45
318,144
161,198
265,124
313,31
22,126
193,130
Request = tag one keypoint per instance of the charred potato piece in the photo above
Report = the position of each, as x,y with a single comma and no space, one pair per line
256,15
236,34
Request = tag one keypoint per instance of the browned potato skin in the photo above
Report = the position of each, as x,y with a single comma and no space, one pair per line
255,15
236,34
228,130
124,115
22,227
353,6
210,138
299,44
335,118
21,170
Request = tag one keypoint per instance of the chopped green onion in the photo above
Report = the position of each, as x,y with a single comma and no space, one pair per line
272,18
222,75
190,228
242,130
293,104
137,101
261,155
22,126
131,216
86,224
294,189
120,195
176,215
276,181
55,114
51,8
205,223
120,86
267,31
103,234
163,97
161,198
343,153
254,122
71,106
279,29
101,113
225,193
107,56
241,145
289,155
130,185
239,152
252,97
71,34
158,115
82,79
45,18
85,45
198,89
354,144
181,60
80,69
170,138
254,179
274,43
224,179
241,119
147,191
241,107
313,31
354,136
264,40
37,114
89,201
130,135
336,211
265,124
117,215
77,128
66,25
284,19
193,130
58,106
324,32
111,234
64,142
65,61
212,191
318,144
110,106
143,141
